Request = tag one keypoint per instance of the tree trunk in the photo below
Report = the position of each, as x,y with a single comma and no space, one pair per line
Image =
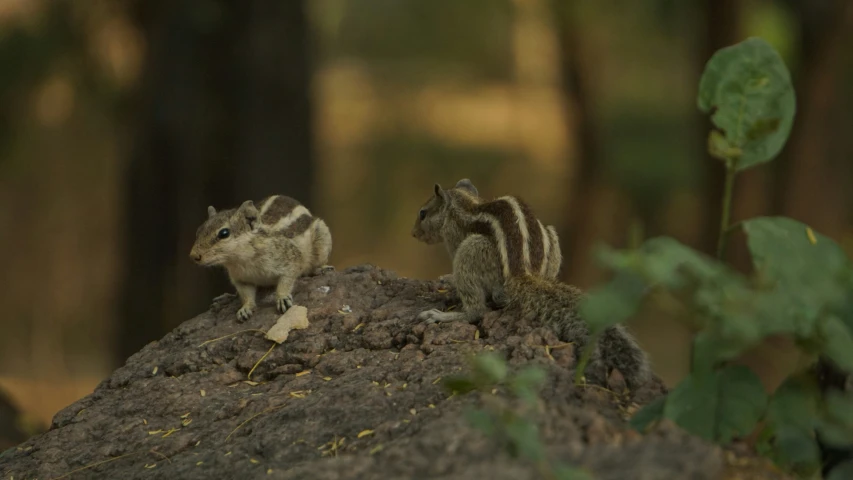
810,183
222,114
578,232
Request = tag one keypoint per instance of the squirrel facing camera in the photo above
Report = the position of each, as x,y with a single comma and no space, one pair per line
270,246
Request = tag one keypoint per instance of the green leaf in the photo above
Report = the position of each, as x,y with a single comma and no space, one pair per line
719,405
837,342
725,339
795,403
490,368
562,472
530,377
663,261
796,449
524,435
845,310
615,302
790,252
836,424
792,416
840,407
719,297
481,420
748,92
647,415
525,384
459,384
809,273
842,471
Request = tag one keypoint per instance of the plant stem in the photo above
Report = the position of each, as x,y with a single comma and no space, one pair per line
727,210
584,359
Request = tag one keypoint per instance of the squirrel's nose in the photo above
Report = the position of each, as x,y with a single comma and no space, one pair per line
195,256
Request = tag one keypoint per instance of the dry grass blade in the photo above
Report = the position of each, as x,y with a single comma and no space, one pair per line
261,360
231,335
96,464
158,453
254,417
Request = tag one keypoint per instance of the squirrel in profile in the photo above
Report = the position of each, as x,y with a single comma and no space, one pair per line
269,245
502,253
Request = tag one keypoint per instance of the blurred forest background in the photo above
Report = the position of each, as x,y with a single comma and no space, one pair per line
121,120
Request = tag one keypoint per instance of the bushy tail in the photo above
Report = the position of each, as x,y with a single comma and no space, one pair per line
619,350
556,304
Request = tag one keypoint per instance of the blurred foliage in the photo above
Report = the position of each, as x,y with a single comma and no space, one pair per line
439,160
635,60
800,287
33,51
647,161
426,39
511,421
28,54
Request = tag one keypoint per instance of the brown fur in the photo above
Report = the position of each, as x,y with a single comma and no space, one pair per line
487,243
270,245
555,303
470,214
278,206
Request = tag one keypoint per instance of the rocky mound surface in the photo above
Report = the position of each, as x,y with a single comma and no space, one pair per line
356,395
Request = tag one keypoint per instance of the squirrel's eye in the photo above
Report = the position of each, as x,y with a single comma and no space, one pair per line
422,214
223,233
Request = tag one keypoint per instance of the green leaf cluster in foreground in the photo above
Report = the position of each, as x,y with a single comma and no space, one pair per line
512,422
801,287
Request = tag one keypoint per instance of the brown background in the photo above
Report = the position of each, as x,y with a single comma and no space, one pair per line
122,120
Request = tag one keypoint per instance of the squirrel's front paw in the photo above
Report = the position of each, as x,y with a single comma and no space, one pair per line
245,312
322,269
284,303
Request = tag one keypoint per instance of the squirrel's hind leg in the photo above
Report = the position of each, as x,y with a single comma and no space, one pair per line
476,271
321,248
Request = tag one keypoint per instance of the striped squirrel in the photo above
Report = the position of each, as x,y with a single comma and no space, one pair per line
431,228
503,253
260,247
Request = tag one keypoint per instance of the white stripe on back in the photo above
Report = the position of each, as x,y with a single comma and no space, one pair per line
266,205
291,217
546,248
522,227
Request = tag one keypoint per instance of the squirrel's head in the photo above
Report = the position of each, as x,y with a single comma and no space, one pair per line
433,212
223,236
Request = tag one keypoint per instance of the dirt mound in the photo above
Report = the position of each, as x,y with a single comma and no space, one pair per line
356,395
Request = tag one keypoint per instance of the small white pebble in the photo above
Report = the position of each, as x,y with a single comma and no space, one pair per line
346,308
324,289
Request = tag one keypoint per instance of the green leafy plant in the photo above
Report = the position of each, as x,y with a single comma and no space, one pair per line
801,287
511,421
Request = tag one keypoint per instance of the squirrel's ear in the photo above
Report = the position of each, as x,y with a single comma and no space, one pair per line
249,212
211,211
248,209
465,184
440,193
